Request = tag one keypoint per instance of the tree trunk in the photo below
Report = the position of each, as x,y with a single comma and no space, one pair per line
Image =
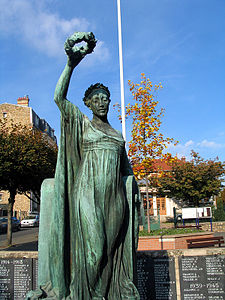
11,201
148,210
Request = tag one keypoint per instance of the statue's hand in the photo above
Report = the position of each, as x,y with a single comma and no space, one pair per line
76,54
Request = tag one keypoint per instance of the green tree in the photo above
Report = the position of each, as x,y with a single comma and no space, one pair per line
194,180
219,211
221,197
147,141
26,159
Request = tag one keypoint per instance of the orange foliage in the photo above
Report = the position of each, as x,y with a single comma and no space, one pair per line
147,143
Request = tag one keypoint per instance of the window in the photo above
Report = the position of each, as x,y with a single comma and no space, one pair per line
52,133
0,197
163,204
5,115
36,120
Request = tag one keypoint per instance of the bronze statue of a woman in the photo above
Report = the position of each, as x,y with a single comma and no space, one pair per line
88,249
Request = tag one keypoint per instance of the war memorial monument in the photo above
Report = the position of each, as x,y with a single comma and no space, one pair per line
90,253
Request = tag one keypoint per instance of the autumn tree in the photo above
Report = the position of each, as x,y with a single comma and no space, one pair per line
26,159
147,141
194,180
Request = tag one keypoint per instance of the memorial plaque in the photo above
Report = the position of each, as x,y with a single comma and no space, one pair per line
6,279
202,277
35,274
15,278
156,277
22,277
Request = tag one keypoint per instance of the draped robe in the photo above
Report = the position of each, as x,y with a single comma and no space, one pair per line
89,250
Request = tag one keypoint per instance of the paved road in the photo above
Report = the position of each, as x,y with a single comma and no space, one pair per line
26,240
23,240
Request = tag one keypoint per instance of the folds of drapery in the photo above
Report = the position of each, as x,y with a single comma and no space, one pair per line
54,258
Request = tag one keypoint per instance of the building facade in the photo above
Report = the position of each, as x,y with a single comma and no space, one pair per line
21,113
158,205
162,206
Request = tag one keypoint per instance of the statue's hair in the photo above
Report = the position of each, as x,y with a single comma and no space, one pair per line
90,90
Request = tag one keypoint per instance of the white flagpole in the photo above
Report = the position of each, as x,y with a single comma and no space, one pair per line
121,71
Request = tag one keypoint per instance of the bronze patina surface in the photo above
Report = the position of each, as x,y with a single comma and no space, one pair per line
88,228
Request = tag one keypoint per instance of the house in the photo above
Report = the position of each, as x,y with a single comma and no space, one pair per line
159,205
22,113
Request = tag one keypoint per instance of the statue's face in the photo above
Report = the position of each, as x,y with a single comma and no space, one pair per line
99,103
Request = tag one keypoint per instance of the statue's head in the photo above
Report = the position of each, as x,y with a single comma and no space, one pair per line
97,98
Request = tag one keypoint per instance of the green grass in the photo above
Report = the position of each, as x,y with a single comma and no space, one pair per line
169,231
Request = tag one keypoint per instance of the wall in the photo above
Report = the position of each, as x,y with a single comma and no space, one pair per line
21,206
217,226
19,114
195,281
168,242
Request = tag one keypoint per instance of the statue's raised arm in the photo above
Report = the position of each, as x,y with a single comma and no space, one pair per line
75,54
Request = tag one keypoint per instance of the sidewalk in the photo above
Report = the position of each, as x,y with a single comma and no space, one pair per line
30,246
26,242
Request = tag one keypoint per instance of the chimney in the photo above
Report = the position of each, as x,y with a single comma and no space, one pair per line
23,101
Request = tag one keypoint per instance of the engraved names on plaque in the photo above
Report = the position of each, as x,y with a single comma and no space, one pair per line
6,275
202,277
35,274
22,277
15,278
156,277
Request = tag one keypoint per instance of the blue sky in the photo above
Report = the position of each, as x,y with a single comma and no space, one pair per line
180,43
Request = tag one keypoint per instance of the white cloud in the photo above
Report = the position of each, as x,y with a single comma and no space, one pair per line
31,22
101,53
182,150
188,144
209,144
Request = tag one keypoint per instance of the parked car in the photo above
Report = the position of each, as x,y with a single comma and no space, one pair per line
4,224
30,221
16,223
